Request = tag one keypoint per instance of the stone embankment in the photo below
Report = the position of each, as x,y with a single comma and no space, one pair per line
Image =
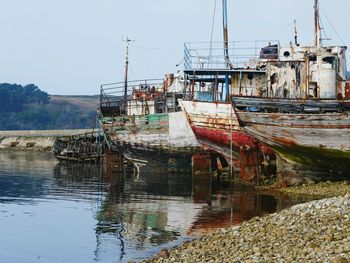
318,231
34,140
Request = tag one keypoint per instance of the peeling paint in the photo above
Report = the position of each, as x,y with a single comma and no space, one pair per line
155,133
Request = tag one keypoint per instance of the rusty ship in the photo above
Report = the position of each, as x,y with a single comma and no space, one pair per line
213,72
301,109
148,122
141,120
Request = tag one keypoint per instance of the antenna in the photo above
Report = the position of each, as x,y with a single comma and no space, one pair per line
295,33
127,40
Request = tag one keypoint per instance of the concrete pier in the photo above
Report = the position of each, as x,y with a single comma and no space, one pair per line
44,133
35,139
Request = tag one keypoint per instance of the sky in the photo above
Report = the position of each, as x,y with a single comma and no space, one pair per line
71,47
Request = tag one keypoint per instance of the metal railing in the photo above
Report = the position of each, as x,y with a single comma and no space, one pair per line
205,55
112,95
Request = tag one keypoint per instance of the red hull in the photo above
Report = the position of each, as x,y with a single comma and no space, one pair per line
221,137
240,140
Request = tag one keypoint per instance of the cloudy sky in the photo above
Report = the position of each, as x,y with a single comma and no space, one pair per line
73,46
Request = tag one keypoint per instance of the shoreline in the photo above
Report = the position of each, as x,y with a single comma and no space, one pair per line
311,190
316,231
35,140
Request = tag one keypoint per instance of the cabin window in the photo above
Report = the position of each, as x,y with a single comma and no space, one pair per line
269,52
273,78
313,58
286,54
328,62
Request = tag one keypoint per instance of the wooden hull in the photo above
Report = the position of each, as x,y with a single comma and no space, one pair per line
216,126
155,134
315,139
217,123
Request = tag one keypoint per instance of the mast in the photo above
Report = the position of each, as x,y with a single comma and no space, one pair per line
225,31
227,58
126,75
317,30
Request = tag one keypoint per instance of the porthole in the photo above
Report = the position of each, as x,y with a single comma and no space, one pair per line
286,54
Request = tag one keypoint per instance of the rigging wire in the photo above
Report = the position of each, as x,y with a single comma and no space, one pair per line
330,23
276,30
154,48
333,27
325,37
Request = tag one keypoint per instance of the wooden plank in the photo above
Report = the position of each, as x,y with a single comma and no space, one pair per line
289,105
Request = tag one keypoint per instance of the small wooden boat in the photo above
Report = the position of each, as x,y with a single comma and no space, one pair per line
85,148
147,121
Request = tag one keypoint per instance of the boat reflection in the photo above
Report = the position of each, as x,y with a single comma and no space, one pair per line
134,212
156,206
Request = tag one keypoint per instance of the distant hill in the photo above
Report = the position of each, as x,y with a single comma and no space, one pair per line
29,108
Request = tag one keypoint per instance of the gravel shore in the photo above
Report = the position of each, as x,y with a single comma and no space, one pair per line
322,189
318,231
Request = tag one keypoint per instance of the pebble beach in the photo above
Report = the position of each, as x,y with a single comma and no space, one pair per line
317,231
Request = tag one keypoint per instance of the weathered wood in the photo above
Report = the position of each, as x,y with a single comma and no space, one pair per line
79,148
316,139
216,126
289,105
156,133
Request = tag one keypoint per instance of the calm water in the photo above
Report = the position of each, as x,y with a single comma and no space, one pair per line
51,212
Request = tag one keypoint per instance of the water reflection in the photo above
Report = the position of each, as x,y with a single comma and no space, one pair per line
19,181
145,207
113,211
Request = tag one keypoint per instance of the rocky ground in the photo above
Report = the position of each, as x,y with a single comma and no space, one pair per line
322,189
318,231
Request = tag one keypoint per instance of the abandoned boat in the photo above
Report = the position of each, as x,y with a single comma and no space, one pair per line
81,148
302,108
212,74
141,119
148,122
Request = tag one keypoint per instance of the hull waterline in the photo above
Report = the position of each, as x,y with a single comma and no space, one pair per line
309,139
216,127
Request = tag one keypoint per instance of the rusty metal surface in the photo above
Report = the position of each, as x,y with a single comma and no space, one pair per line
347,90
201,164
249,165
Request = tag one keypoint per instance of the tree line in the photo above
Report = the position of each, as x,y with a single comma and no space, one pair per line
29,108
